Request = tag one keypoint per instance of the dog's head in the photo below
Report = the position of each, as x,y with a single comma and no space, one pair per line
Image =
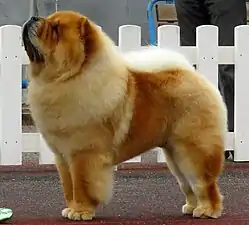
62,40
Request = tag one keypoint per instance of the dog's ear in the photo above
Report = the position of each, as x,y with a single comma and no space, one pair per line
89,36
84,28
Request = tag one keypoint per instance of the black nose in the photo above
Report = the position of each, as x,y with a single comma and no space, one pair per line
34,18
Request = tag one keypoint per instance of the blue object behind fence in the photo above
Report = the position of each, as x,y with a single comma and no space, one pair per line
152,29
24,84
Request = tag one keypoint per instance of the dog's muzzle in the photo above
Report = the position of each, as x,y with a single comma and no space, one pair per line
27,33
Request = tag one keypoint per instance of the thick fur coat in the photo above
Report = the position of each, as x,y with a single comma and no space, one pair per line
97,107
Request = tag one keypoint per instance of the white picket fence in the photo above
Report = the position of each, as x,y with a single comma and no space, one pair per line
206,55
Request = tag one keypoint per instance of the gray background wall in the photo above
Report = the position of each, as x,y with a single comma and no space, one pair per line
109,14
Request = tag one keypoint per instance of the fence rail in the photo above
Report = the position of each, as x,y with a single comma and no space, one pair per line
206,55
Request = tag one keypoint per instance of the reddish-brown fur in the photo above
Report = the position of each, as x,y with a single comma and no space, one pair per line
95,111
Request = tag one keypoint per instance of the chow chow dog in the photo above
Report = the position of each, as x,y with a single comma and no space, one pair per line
97,107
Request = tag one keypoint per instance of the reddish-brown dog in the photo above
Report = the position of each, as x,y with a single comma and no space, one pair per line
96,108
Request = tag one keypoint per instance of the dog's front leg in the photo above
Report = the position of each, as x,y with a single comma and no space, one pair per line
92,180
65,177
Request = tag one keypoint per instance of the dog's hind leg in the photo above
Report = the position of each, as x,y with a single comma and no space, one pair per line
191,201
201,161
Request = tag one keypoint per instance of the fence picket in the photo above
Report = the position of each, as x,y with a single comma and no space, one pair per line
241,51
129,37
169,37
10,95
130,40
207,52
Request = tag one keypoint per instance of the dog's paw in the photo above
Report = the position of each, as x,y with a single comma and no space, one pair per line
187,209
206,212
71,214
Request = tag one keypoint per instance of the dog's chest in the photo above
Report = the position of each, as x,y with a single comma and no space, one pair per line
67,129
55,115
67,121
